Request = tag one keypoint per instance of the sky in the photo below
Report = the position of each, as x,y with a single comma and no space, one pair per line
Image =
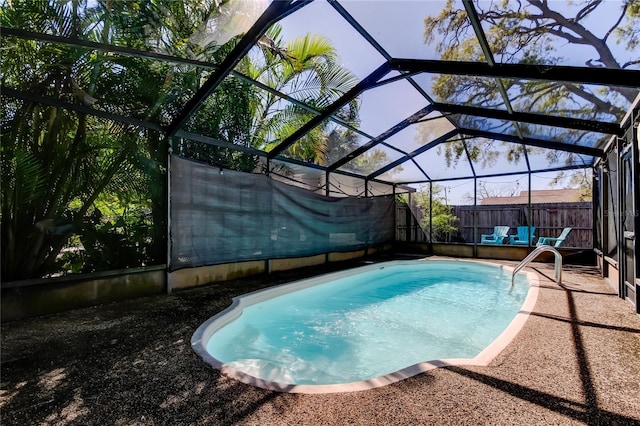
399,26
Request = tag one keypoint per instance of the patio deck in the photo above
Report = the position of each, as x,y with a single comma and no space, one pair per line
576,361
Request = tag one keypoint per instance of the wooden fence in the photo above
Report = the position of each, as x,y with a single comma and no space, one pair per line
548,218
407,226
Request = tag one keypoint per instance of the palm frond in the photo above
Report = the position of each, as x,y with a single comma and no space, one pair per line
24,178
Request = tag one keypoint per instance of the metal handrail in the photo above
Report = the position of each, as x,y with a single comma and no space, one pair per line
533,255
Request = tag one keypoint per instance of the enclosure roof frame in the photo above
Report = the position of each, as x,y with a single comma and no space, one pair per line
408,68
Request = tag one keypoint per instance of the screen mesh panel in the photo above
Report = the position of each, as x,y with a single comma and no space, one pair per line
221,216
612,212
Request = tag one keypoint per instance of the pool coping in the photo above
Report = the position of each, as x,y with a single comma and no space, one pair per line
204,332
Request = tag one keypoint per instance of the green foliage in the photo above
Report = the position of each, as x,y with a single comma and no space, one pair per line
436,212
116,240
580,179
308,70
340,143
84,194
59,164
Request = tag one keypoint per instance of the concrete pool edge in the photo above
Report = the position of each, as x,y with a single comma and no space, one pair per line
203,333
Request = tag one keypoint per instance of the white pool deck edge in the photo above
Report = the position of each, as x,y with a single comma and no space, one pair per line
203,333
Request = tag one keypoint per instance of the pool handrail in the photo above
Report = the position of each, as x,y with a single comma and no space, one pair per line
533,255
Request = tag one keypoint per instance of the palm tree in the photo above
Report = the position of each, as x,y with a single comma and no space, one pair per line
66,169
67,172
307,69
58,162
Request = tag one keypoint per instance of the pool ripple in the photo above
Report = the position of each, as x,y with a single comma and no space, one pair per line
371,326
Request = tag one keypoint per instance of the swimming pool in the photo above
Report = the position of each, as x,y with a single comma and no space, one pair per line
368,326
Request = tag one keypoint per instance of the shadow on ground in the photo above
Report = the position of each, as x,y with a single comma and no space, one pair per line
131,363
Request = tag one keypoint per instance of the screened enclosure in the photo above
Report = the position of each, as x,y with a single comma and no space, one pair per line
183,134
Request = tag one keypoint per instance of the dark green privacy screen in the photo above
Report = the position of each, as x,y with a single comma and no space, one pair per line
227,216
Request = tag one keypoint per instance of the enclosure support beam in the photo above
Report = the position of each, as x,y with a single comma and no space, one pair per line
475,216
607,206
596,196
274,12
356,25
466,151
635,187
395,213
324,169
524,117
104,47
217,142
414,118
430,212
620,217
578,149
529,216
127,51
363,85
360,29
83,109
409,156
419,167
472,13
327,175
168,230
604,225
555,73
554,169
529,212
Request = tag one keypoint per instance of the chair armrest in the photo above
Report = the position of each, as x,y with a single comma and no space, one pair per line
546,240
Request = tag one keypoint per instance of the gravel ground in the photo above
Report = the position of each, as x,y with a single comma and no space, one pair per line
576,361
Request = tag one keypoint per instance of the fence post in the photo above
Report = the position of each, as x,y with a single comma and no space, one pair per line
620,218
475,216
326,179
529,212
430,212
395,211
168,212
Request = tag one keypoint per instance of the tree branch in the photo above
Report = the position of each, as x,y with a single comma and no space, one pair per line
590,7
614,26
561,34
606,57
602,106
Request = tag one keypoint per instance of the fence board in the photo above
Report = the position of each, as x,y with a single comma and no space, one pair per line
548,218
407,227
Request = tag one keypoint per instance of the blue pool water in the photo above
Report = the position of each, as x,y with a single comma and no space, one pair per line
372,323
